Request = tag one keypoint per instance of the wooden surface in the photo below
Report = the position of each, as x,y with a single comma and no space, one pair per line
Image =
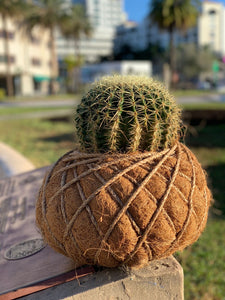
17,224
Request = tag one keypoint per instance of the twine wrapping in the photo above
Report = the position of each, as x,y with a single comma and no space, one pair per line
123,209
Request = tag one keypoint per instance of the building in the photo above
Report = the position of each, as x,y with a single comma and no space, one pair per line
138,36
211,26
92,72
104,16
128,34
209,31
30,60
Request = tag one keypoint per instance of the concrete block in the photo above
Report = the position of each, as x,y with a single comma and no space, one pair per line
12,162
160,280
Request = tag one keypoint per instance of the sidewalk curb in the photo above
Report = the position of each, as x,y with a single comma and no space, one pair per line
12,162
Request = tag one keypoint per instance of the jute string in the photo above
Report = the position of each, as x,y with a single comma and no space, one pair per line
108,183
118,200
93,162
126,206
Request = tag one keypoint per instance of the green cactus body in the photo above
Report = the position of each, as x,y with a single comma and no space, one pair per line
127,114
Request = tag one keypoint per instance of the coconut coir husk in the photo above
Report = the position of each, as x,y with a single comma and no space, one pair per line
123,209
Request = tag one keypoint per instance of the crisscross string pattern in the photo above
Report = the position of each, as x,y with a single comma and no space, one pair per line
113,209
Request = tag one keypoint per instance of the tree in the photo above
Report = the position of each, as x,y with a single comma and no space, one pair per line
75,24
71,62
172,15
47,14
193,60
9,9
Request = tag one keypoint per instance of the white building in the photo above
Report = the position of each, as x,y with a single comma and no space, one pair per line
30,59
104,16
92,72
211,27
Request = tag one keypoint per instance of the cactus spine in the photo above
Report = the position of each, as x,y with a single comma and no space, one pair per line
127,114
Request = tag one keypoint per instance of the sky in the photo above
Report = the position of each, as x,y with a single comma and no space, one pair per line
136,9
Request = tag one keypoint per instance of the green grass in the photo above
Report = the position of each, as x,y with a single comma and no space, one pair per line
41,98
204,262
193,92
43,142
204,106
6,111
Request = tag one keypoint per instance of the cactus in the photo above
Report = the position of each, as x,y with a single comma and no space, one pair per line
127,114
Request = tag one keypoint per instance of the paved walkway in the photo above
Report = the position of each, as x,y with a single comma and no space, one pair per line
2,171
12,162
208,98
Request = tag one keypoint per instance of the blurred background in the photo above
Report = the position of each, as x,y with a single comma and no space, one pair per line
52,50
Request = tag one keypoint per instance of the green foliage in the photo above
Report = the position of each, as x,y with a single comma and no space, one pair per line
127,114
72,62
13,8
171,14
2,94
192,60
75,23
47,14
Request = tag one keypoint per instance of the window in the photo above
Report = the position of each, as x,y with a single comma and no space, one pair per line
36,62
212,12
34,40
49,44
9,34
37,85
3,59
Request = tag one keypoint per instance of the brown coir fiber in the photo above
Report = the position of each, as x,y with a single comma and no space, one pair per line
118,209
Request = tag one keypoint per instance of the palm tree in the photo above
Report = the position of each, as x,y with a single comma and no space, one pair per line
47,14
75,25
9,9
72,63
172,15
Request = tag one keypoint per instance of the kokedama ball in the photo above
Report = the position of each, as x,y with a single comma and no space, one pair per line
113,209
134,193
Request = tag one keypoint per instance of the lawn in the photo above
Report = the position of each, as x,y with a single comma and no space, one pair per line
204,262
204,106
8,111
193,92
43,141
40,98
